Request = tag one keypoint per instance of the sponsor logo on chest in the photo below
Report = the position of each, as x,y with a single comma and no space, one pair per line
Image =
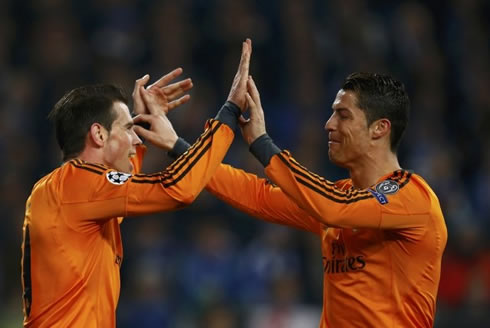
337,259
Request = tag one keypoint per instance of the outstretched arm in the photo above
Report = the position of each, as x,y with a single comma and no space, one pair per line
259,198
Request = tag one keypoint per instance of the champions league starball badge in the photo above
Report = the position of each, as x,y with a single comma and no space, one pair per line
387,187
117,178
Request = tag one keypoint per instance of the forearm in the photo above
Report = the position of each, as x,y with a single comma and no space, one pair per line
185,178
257,197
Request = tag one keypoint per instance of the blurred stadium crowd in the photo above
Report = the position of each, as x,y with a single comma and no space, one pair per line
209,265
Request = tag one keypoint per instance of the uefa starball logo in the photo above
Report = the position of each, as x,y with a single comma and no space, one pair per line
387,187
117,178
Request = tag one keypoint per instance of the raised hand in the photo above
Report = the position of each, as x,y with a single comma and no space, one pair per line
168,96
239,85
253,127
174,93
161,132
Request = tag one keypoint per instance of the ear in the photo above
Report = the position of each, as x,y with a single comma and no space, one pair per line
380,128
98,134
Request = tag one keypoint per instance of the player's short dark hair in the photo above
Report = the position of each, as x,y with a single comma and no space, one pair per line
381,96
78,109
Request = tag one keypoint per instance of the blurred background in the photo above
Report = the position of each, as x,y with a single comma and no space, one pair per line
209,265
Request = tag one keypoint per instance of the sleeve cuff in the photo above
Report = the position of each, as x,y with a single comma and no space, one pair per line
263,148
180,147
229,114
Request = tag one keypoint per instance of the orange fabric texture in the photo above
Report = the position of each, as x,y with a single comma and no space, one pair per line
381,251
72,249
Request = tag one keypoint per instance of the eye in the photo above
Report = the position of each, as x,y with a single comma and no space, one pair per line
343,114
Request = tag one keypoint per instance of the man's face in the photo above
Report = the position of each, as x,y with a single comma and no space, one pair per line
122,140
348,132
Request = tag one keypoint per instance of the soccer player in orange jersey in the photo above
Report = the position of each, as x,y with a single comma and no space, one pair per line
382,230
72,249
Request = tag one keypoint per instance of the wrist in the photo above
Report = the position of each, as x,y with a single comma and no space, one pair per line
180,147
253,138
171,142
263,148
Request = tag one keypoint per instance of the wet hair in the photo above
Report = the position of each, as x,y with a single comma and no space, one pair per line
381,96
78,109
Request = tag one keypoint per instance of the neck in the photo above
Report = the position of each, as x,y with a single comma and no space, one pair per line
91,155
372,168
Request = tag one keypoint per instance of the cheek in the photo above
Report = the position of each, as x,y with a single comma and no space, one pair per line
118,146
357,138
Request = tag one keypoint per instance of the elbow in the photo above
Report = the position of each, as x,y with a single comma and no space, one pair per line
188,199
181,196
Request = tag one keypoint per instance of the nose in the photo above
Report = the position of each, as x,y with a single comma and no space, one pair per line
329,125
136,138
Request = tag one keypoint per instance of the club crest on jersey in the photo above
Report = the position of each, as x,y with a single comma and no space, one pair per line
117,178
387,187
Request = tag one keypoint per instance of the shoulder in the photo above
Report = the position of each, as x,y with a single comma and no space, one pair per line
343,184
409,188
78,179
47,181
78,167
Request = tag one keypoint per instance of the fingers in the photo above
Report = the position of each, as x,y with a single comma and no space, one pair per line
142,118
178,102
244,65
242,120
164,80
177,89
253,91
142,132
140,82
239,84
252,106
138,106
150,100
253,100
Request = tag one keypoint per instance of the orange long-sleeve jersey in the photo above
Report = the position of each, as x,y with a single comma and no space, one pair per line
381,247
72,248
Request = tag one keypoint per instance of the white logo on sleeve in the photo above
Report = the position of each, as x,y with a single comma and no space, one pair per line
387,187
117,178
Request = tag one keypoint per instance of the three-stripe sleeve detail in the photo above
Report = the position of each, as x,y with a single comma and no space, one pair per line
327,189
176,171
180,167
321,186
94,168
402,177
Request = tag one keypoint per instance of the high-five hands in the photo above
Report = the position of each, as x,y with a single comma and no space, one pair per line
153,103
239,85
245,95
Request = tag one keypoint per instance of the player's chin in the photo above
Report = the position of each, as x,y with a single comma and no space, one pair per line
129,167
335,158
125,167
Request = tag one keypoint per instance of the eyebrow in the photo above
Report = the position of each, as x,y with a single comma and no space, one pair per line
341,109
128,125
